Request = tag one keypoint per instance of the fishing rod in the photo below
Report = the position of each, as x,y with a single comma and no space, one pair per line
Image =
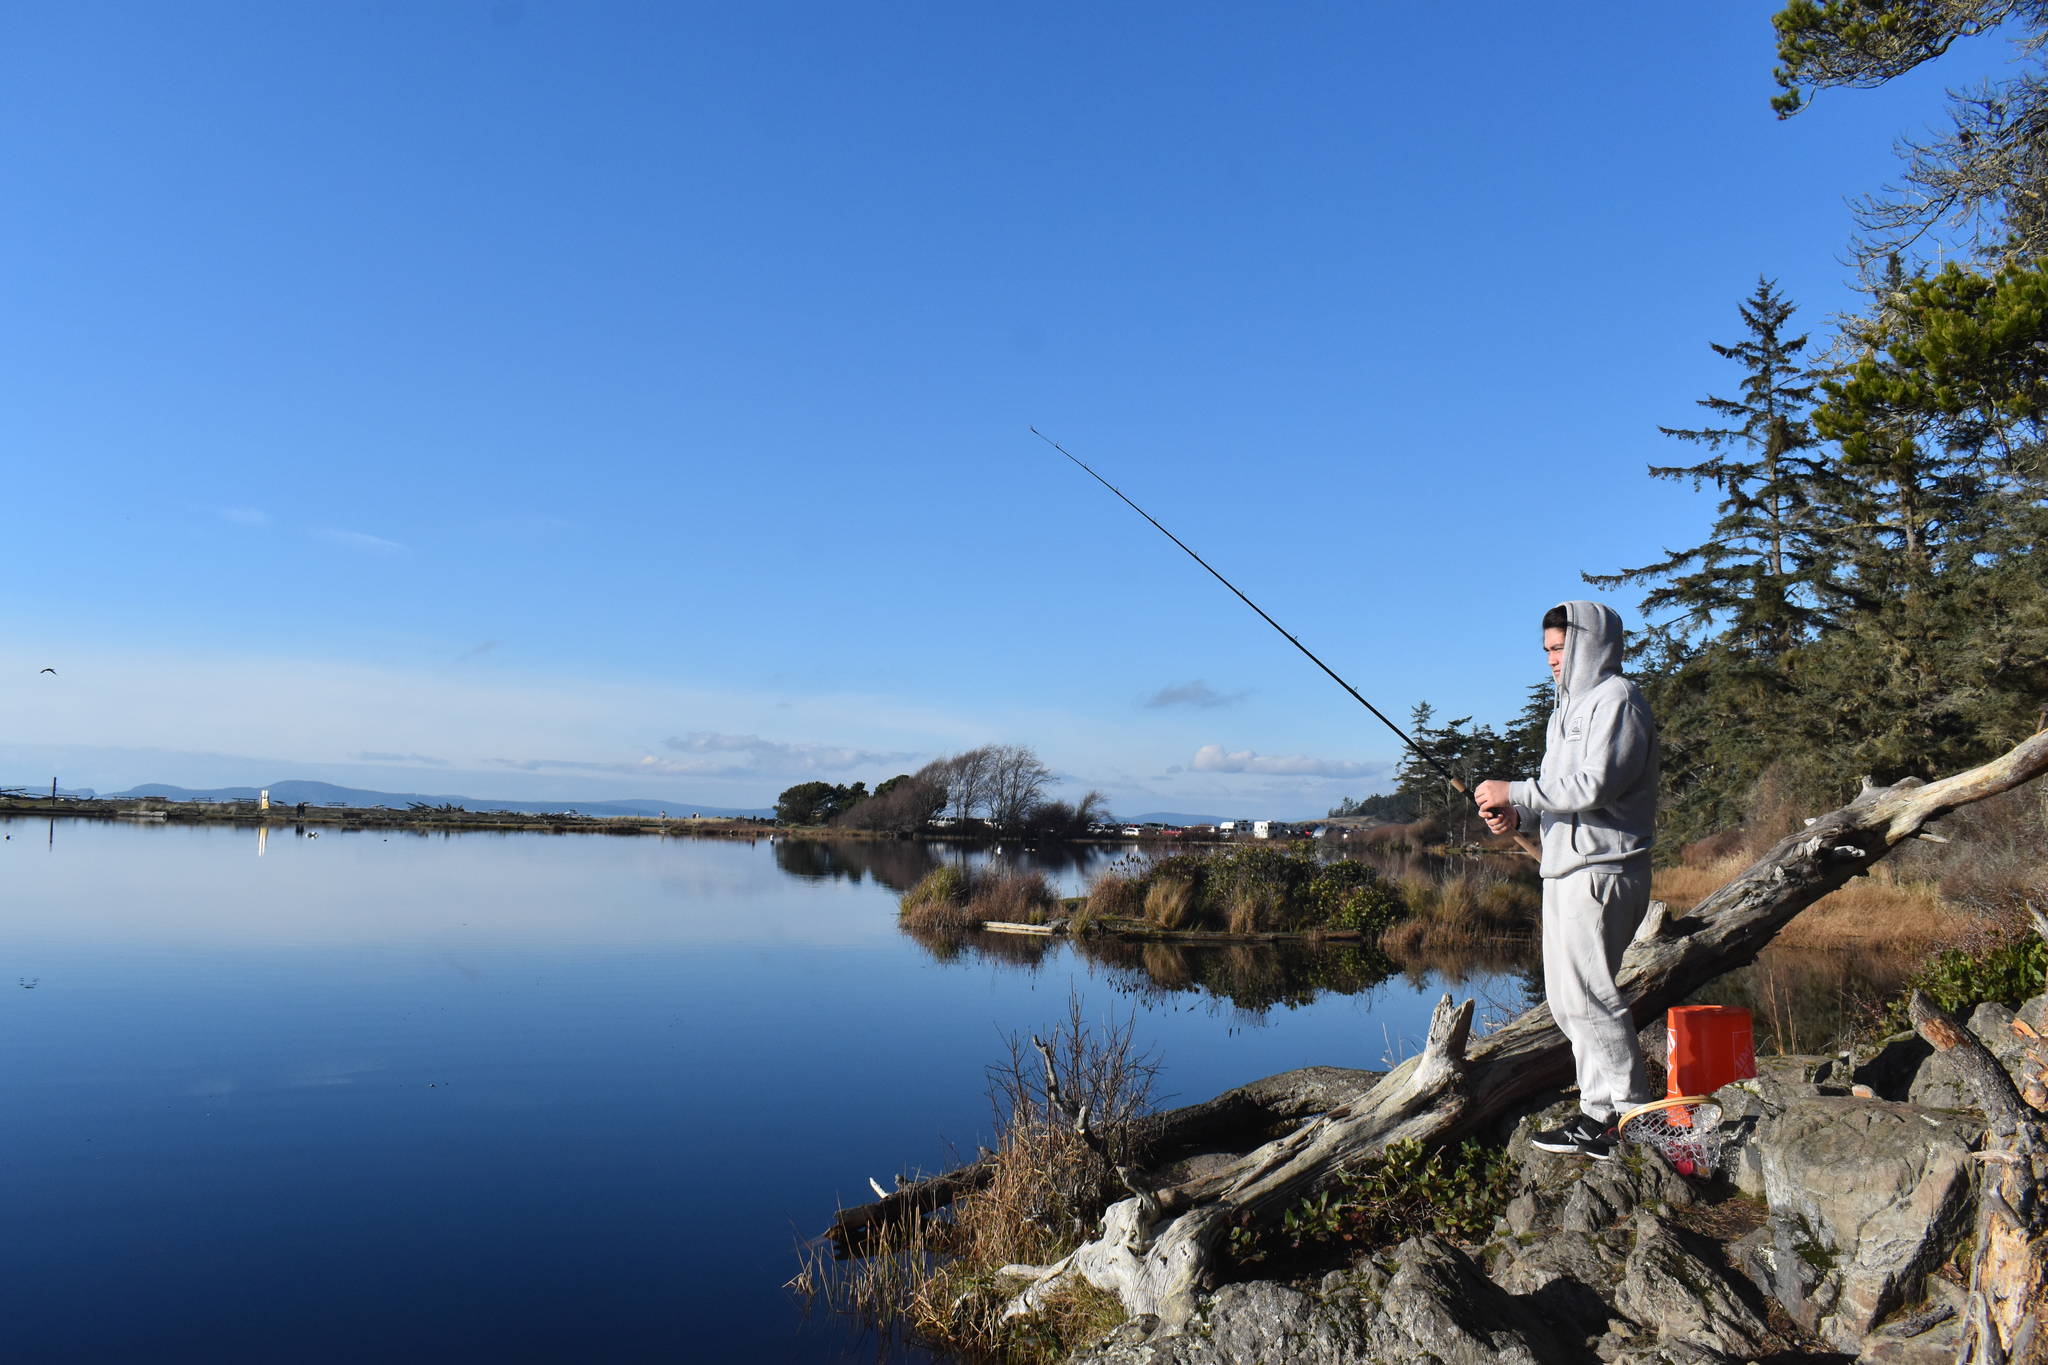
1528,845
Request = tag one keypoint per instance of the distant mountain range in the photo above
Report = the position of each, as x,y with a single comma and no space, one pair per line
327,794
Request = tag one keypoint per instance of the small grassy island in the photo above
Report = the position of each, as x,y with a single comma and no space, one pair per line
1246,892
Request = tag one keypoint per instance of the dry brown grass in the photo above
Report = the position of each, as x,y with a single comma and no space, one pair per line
1012,896
1170,902
1889,908
1117,896
1461,913
938,903
1925,893
1247,916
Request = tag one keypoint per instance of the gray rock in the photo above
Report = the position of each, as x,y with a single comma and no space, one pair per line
1437,1304
1930,1333
2034,1014
1564,1241
1939,1085
1754,1255
1866,1197
1746,1103
1906,1068
1663,1353
1780,1080
1667,1285
1195,1167
1427,1301
1743,1109
1271,1322
1890,1068
1568,1277
1798,1075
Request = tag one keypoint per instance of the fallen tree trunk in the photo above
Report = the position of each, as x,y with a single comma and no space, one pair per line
2006,1320
1231,1121
1157,1252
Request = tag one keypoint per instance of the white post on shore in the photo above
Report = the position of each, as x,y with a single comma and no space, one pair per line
263,799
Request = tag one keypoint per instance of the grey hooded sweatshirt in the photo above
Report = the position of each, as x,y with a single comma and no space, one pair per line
1596,798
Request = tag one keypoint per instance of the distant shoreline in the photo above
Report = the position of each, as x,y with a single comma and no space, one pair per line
154,809
157,809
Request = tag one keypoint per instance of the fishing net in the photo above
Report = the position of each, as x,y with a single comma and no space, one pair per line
1685,1131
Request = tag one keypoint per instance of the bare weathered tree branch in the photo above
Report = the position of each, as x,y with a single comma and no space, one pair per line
2009,1278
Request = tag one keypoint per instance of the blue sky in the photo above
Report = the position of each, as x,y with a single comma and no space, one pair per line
630,399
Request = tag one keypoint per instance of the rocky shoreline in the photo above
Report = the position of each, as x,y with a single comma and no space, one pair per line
1838,1229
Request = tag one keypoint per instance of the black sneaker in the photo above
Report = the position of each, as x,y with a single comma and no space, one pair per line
1583,1136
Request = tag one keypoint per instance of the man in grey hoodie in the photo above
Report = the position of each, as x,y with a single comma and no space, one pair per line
1595,804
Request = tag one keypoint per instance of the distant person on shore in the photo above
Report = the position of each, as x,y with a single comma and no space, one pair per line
1593,806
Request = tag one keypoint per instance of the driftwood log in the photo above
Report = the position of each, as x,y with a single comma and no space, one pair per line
2006,1321
1231,1121
1158,1251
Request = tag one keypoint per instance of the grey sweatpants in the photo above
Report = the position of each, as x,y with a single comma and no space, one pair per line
1589,916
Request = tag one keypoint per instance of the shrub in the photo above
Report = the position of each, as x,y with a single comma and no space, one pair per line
1456,1191
2010,970
1351,895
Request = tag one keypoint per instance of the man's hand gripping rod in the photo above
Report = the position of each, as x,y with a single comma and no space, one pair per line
1528,845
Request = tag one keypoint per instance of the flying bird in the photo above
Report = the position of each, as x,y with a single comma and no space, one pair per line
50,671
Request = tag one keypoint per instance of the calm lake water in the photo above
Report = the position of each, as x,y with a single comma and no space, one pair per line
517,1097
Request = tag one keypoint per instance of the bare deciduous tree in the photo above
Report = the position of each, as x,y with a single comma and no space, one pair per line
1017,783
966,777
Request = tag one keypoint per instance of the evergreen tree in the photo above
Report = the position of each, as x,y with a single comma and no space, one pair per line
1389,806
1763,577
1941,424
1523,740
1471,754
1988,169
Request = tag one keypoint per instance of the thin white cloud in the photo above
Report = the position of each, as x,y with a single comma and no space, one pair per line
1196,693
361,540
710,754
1214,758
476,651
733,754
373,756
245,516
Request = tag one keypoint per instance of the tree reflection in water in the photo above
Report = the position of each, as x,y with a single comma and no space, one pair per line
900,864
1253,977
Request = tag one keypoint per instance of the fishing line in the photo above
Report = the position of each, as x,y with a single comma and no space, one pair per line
1413,747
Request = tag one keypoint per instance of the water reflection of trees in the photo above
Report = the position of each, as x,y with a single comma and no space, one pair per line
898,864
1250,977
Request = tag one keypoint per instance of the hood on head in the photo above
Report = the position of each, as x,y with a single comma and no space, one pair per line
1592,646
